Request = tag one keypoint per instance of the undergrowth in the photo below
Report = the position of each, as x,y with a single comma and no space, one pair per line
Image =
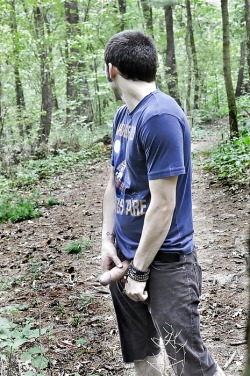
230,161
33,171
16,206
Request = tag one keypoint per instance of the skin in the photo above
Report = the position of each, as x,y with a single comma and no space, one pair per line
159,215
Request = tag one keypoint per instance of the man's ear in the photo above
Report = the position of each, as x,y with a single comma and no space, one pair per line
112,71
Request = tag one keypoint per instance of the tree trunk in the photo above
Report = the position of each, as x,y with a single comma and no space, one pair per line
148,16
52,79
234,132
239,87
2,111
189,68
46,105
77,90
170,58
20,102
122,9
247,12
194,55
72,58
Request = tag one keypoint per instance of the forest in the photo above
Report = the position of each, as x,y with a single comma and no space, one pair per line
56,114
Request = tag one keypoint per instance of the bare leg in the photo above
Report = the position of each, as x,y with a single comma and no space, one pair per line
151,366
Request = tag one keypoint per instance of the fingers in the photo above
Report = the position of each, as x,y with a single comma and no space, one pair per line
134,294
137,297
117,261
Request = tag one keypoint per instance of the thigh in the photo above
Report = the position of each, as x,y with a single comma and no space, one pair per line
138,335
174,291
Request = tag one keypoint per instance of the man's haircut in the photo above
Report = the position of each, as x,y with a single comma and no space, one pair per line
134,54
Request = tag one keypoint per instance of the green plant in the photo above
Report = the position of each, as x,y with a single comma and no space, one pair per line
52,201
15,208
13,337
31,172
74,247
231,160
78,246
76,320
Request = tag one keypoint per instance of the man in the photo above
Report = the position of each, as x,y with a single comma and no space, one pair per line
147,218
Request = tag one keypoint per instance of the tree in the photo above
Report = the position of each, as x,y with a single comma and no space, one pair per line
72,57
20,102
77,91
170,55
234,132
47,99
193,55
247,9
148,16
122,9
240,81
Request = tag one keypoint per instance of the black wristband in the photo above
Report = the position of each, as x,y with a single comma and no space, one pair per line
136,274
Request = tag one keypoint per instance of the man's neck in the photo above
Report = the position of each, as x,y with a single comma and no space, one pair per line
132,92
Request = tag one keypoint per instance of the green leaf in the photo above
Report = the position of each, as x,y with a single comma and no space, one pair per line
40,362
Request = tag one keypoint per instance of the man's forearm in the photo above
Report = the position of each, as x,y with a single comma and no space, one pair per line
109,205
155,229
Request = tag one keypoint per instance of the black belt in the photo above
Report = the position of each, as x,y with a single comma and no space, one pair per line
169,256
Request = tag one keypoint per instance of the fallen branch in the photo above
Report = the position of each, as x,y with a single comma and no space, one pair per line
243,342
227,364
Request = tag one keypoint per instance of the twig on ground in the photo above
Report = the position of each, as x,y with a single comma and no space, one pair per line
227,364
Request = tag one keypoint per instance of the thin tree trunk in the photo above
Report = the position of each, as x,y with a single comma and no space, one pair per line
239,87
234,132
122,9
2,112
189,68
52,79
148,16
170,58
72,18
194,55
46,105
247,12
20,102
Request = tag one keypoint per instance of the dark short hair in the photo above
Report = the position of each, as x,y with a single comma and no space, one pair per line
134,54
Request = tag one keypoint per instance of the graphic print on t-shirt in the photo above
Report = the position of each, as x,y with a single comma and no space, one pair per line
119,176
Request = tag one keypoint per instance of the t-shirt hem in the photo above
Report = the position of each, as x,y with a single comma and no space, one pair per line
166,174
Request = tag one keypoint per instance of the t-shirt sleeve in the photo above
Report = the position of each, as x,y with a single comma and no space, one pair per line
162,140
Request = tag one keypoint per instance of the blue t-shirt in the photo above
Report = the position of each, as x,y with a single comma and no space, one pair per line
151,142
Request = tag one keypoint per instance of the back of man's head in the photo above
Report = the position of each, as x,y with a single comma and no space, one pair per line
134,54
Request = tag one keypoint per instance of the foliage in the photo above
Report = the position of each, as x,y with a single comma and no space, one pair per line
53,201
32,171
83,46
231,160
78,246
12,339
15,208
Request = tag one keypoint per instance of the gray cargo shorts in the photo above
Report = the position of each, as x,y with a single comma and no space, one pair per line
170,313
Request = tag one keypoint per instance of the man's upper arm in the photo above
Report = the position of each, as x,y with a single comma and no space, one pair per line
163,191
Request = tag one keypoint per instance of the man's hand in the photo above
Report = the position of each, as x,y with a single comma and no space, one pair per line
109,256
135,290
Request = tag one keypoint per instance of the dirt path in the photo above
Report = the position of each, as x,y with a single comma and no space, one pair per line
39,281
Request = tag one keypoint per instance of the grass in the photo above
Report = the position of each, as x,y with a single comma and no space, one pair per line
230,161
30,173
78,246
15,208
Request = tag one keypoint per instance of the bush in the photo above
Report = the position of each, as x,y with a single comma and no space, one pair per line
15,208
231,160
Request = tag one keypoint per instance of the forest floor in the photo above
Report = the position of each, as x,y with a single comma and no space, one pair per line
41,283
